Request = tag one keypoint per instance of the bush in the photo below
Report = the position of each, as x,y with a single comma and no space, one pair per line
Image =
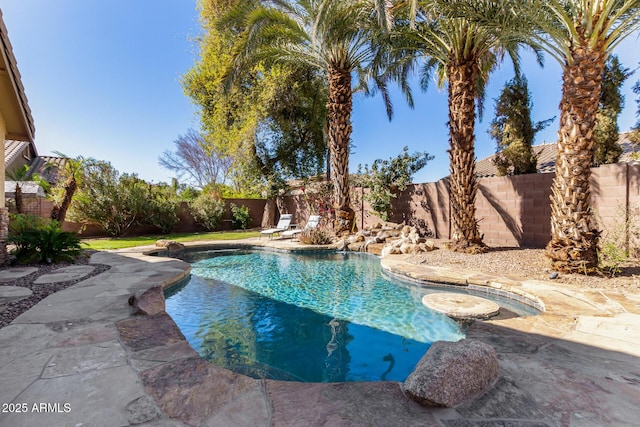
387,178
45,244
316,236
162,209
116,202
207,210
241,217
19,223
616,236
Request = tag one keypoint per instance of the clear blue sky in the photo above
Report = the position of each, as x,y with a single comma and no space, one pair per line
102,79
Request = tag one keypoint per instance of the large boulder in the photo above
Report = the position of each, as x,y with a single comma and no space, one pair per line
451,373
148,303
171,245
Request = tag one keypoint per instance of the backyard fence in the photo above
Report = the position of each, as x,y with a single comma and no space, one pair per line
512,211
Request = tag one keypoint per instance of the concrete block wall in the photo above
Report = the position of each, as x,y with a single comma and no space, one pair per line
515,211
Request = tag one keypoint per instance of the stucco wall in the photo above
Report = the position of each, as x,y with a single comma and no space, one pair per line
3,135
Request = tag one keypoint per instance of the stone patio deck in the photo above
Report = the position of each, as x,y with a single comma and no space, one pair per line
78,358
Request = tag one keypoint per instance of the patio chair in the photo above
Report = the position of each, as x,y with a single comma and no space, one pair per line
312,224
282,225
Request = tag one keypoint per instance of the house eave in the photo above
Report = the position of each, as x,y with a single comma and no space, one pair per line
14,105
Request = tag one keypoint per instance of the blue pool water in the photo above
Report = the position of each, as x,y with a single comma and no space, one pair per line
307,317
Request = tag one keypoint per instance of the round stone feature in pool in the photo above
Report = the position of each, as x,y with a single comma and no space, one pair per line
461,306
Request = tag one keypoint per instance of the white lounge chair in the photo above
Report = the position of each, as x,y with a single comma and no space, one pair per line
312,224
282,225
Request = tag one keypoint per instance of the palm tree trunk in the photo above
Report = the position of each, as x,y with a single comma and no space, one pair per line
59,213
18,197
462,162
269,213
339,115
573,245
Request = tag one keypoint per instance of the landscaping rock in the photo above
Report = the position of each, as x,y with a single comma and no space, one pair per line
451,373
429,245
171,245
342,245
356,247
409,248
149,302
409,242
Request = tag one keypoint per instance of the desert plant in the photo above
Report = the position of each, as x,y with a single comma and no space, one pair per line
207,210
317,236
387,178
113,201
241,217
162,208
45,244
19,223
614,243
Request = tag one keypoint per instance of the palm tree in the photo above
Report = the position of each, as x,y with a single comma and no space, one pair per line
461,52
335,37
71,173
21,175
580,35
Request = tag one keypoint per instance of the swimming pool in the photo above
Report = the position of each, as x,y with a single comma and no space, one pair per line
305,316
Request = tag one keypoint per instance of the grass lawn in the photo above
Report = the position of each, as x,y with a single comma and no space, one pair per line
129,242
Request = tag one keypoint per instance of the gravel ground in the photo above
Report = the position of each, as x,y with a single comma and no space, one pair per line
528,264
13,309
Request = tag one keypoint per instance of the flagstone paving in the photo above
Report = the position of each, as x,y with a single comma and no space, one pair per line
79,358
63,274
13,273
12,293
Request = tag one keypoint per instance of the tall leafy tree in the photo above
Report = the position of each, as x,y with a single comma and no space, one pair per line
607,132
514,131
270,120
461,53
335,38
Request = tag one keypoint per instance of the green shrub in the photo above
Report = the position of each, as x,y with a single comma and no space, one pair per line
241,217
163,208
317,236
19,223
388,178
45,244
207,210
617,235
113,201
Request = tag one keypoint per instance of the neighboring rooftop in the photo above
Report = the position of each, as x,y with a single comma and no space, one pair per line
14,149
547,157
47,167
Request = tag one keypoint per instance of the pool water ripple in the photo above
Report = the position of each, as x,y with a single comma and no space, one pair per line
348,287
305,317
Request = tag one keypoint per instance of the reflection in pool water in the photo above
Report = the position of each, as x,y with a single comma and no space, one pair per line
305,317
